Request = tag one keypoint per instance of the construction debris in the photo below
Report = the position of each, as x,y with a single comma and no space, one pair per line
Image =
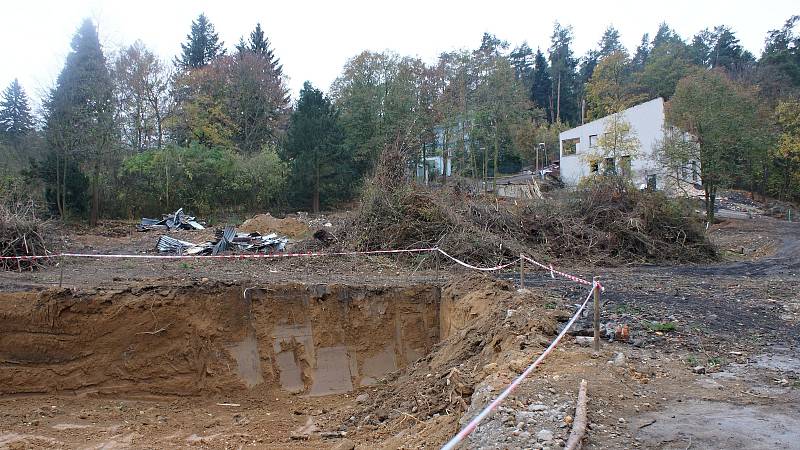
227,239
171,222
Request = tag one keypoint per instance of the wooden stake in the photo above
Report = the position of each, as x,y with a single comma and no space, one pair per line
596,288
579,424
61,275
521,272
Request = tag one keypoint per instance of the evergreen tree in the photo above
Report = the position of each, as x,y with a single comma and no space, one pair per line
720,48
201,47
260,45
521,58
314,149
665,35
80,119
542,84
16,120
609,43
642,53
779,67
562,71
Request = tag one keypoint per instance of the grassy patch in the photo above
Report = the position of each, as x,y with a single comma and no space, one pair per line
550,305
663,327
715,361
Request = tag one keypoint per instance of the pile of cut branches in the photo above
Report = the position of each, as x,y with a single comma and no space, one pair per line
22,233
606,222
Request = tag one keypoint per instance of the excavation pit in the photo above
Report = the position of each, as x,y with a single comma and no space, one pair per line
311,340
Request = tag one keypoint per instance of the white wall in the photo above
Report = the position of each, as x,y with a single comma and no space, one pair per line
647,122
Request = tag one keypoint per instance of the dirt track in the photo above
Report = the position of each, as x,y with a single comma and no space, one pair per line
738,320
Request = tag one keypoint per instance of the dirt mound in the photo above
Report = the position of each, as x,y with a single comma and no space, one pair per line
265,224
487,327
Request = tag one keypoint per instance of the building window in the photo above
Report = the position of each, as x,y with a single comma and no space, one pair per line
625,165
594,166
592,140
609,166
569,146
695,172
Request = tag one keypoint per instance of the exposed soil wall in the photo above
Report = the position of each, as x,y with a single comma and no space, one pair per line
206,338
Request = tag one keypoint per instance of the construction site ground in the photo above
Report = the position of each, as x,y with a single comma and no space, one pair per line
712,361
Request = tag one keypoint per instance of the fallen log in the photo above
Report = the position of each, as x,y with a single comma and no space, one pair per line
579,425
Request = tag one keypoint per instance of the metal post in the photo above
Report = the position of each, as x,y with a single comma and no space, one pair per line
596,288
521,272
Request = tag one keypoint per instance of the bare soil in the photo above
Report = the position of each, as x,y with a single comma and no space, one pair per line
143,354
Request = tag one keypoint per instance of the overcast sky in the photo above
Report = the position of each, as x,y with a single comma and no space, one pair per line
315,39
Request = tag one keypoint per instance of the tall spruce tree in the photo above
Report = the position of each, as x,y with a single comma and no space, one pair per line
80,119
521,58
202,45
314,148
642,53
542,84
16,120
609,43
562,71
259,44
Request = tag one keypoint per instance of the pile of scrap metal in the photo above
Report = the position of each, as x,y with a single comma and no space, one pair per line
227,239
170,222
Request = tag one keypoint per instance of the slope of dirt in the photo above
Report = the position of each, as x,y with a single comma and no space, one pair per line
207,338
487,327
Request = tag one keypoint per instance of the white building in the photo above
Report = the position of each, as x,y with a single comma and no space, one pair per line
581,157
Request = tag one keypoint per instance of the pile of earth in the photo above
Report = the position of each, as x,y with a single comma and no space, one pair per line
265,224
488,329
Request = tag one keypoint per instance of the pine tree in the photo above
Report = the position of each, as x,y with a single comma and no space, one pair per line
542,84
16,120
521,59
201,47
609,43
562,69
259,44
642,53
80,120
314,147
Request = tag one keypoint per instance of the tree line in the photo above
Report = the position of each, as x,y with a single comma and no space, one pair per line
215,129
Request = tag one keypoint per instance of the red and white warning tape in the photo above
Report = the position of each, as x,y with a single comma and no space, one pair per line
473,424
303,254
563,274
470,266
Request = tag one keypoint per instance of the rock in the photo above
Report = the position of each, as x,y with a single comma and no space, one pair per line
699,369
489,368
537,407
544,435
621,420
568,420
584,341
362,398
518,365
619,359
524,416
345,444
